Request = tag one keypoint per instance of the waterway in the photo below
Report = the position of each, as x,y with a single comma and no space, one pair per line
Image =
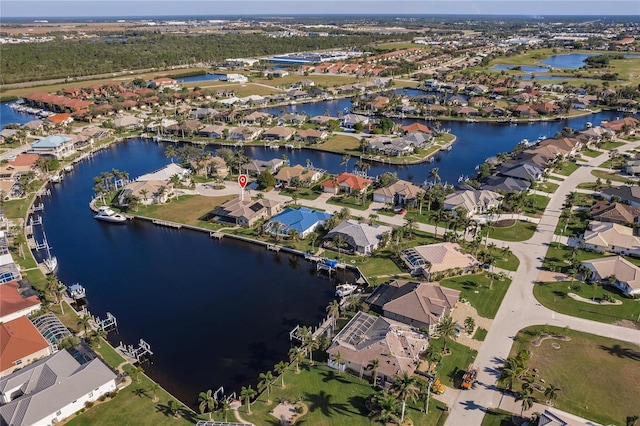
216,313
199,78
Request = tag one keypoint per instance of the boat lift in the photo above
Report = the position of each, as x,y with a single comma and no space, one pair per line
133,352
106,324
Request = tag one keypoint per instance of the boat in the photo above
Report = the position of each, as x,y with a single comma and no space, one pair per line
76,292
105,213
50,262
68,168
345,289
56,178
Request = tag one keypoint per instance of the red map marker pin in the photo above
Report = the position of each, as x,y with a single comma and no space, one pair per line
242,181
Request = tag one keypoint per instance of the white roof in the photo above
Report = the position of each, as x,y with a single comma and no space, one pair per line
165,173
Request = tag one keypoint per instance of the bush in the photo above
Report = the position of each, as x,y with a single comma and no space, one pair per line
88,404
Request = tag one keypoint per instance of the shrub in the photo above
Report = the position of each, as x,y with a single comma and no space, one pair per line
88,404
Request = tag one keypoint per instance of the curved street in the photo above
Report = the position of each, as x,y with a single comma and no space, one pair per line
520,309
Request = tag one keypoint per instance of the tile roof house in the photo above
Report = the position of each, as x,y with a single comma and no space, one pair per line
399,193
245,212
438,259
366,337
520,170
360,238
17,300
348,121
346,182
474,201
244,133
416,127
611,237
287,173
302,219
421,305
278,133
20,344
311,135
148,192
390,146
627,275
504,184
620,213
52,389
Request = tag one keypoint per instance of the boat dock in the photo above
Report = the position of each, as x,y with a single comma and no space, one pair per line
167,223
273,247
216,235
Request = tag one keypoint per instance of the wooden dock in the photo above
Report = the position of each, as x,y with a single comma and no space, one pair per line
216,235
274,247
167,224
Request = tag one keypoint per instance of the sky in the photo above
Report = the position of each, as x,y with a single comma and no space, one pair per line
123,8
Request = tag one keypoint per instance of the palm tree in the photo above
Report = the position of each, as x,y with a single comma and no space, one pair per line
469,325
337,360
144,193
247,393
339,241
174,408
207,402
266,380
313,237
296,355
170,152
137,370
411,224
84,322
99,334
372,218
310,344
280,368
527,400
446,328
435,175
551,392
226,406
345,161
405,387
154,390
373,367
383,408
333,309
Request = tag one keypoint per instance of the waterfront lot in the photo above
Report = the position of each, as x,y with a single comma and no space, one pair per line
599,377
332,400
188,209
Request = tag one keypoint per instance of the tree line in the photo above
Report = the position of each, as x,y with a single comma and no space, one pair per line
73,58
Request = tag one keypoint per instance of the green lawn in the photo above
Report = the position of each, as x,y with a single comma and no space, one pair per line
475,288
134,405
509,263
548,187
452,367
536,205
558,255
331,398
480,334
521,231
350,202
614,176
598,377
591,153
302,193
497,417
188,209
577,224
565,168
554,296
609,145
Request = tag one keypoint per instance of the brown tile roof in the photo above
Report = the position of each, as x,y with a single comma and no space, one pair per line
604,211
11,300
19,338
25,160
416,127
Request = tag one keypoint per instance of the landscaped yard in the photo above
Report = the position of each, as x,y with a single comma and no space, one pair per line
341,143
555,296
558,255
497,417
536,205
331,398
548,187
350,202
475,288
301,193
520,231
188,209
565,168
452,367
613,176
593,153
599,377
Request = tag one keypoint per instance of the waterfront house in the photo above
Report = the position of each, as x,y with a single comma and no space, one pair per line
504,184
399,193
474,201
366,337
625,125
520,170
59,120
166,173
204,113
546,108
244,133
611,237
52,389
127,122
17,299
349,121
390,146
245,212
57,146
303,220
256,118
524,111
23,164
623,214
304,176
163,83
418,139
278,133
627,194
421,305
8,135
294,119
616,271
212,131
441,259
359,238
322,120
347,183
255,167
310,136
33,126
210,166
21,344
147,191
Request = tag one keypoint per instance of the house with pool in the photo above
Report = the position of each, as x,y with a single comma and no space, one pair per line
303,220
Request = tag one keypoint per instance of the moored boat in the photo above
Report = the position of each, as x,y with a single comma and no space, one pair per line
105,213
345,289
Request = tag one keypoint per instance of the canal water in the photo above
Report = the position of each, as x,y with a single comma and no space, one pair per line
216,313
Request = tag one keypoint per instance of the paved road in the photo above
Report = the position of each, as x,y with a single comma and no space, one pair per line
520,309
